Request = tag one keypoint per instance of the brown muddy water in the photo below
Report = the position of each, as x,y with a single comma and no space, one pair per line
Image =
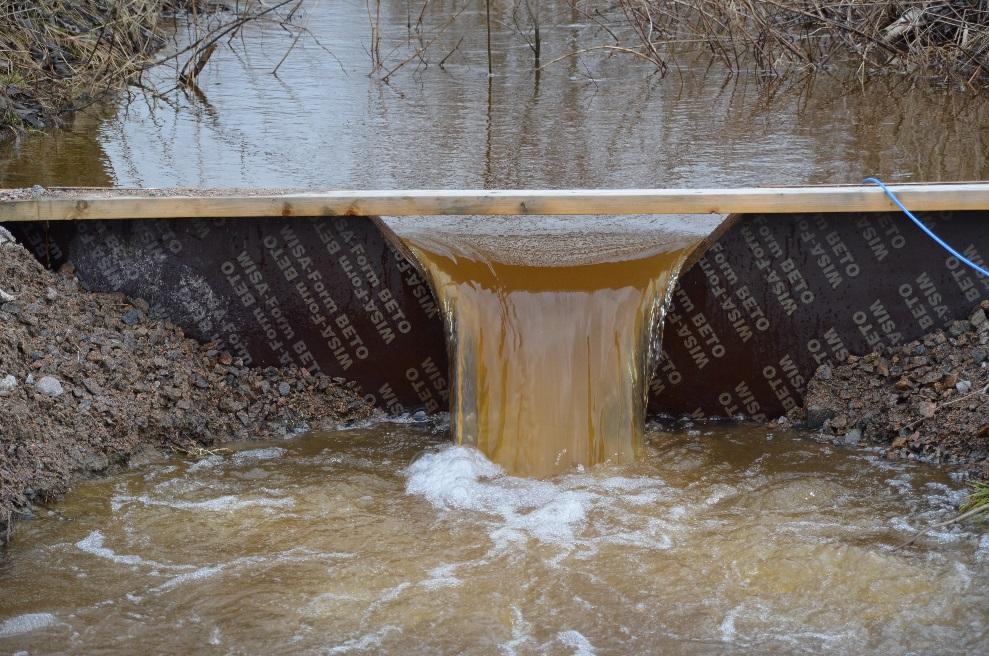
552,337
388,539
583,122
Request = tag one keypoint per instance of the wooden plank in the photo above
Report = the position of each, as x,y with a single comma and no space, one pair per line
124,204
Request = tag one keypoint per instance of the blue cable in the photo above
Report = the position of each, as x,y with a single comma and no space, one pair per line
940,242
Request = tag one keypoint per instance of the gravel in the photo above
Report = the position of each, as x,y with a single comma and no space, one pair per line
926,400
103,380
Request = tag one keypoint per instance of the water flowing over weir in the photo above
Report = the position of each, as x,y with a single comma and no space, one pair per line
552,333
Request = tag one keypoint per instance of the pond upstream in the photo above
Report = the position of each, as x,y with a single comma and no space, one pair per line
387,538
585,122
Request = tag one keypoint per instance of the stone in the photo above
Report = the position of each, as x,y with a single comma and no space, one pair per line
978,317
5,297
957,328
8,383
229,405
284,389
817,415
963,386
839,422
950,380
95,461
979,355
926,409
49,386
131,317
853,436
145,455
92,386
903,384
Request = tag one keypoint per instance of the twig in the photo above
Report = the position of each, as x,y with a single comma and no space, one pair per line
944,405
954,520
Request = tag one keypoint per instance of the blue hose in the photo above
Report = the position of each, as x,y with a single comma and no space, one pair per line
940,242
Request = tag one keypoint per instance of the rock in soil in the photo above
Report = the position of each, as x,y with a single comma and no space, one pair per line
927,400
88,381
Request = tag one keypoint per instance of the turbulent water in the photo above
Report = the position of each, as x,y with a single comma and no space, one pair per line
552,337
387,539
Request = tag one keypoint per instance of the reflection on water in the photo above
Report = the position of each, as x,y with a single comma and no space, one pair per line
586,122
387,539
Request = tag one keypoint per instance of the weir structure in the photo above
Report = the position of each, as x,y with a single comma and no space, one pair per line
791,278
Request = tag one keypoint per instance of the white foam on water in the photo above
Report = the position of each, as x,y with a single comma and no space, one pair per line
388,596
555,511
521,633
26,623
363,643
254,455
461,478
296,554
727,627
224,503
575,640
208,462
194,575
93,544
441,577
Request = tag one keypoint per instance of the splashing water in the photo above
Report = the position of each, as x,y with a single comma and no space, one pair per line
552,337
389,539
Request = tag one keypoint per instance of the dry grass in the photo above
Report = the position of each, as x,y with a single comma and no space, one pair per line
60,55
946,41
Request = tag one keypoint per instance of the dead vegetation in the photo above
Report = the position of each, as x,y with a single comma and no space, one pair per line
57,56
944,41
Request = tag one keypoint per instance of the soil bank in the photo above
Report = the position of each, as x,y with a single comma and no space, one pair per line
926,400
90,382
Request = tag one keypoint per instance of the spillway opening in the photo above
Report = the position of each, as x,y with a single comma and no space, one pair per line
553,328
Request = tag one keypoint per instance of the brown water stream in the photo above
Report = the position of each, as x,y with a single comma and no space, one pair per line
387,539
552,337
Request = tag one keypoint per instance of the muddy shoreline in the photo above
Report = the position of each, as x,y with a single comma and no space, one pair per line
927,400
90,382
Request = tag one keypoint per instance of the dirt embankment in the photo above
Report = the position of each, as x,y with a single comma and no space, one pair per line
927,400
88,381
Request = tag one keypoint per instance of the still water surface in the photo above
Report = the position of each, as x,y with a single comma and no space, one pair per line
387,539
587,121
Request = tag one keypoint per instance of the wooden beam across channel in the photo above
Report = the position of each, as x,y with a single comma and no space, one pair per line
99,204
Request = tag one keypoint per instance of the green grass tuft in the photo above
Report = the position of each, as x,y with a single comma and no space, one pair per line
978,498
